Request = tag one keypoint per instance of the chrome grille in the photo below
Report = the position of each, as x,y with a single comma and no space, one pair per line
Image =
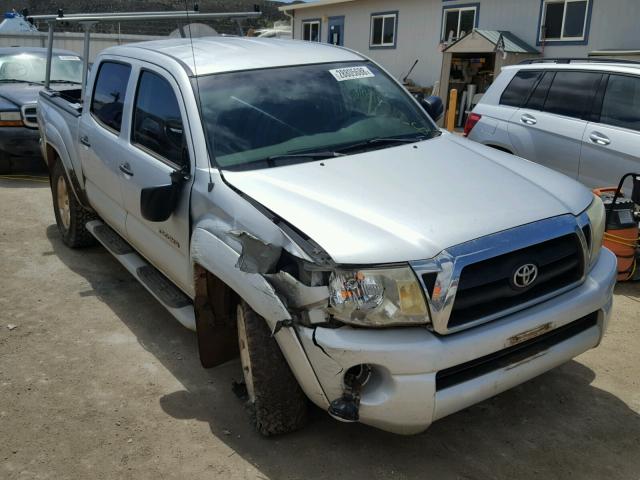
469,284
30,116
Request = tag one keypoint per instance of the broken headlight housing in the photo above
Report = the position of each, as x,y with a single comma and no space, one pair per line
597,221
377,297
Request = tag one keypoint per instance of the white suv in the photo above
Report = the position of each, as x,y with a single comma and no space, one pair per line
579,117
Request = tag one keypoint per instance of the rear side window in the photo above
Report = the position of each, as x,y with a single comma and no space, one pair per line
108,95
539,95
621,103
157,122
571,93
517,92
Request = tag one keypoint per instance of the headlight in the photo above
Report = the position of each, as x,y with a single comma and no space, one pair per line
597,220
10,119
377,298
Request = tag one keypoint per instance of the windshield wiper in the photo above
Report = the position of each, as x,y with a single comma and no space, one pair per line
280,160
311,155
15,80
65,81
381,141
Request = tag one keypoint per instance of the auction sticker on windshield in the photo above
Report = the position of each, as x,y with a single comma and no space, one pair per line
351,73
69,58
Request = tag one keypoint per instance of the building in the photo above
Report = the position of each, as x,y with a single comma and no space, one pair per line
500,32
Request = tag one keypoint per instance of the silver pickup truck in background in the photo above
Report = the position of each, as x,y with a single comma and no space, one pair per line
291,201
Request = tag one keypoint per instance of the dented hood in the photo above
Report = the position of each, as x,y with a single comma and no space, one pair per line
412,201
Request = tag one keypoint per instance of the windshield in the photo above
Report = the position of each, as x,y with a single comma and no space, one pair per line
257,115
31,67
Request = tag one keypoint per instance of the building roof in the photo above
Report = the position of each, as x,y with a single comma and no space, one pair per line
317,3
509,42
228,54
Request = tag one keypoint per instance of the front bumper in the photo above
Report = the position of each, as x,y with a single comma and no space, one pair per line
20,141
402,397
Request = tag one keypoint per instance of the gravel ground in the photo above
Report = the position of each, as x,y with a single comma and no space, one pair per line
98,381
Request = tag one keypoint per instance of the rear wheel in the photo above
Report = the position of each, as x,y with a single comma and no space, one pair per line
276,402
71,217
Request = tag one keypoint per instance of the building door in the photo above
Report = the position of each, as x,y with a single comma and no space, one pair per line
336,31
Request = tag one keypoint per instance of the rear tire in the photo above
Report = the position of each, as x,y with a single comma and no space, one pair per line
276,402
71,217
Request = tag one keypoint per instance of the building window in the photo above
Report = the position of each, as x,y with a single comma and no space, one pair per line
457,22
564,20
311,30
383,29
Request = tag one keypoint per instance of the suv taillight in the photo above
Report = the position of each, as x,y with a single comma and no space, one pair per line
472,119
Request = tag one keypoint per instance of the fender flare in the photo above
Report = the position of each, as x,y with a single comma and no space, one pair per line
63,156
218,258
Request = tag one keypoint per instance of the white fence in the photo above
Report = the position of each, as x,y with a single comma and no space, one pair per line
71,41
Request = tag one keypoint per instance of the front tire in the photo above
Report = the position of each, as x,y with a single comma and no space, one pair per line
275,400
71,217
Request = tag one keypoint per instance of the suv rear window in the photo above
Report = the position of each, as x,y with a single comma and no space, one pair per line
108,96
621,104
571,93
519,88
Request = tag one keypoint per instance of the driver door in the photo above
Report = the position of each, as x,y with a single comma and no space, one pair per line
158,148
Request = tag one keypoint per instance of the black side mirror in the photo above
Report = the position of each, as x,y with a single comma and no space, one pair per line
158,203
433,106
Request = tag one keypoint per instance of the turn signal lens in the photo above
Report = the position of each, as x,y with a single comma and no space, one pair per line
10,119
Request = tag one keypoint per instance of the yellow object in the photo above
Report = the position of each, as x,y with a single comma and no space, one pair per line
451,111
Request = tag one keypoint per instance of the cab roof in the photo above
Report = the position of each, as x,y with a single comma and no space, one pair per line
227,54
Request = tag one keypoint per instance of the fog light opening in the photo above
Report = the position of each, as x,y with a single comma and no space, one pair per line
345,408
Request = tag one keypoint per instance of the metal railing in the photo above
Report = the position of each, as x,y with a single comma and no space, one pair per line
88,20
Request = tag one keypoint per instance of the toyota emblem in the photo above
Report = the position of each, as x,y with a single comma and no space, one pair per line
525,275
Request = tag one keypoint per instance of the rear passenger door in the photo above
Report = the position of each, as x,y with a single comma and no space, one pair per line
159,146
103,144
611,143
549,126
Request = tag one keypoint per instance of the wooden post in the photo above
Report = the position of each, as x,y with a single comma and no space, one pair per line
451,111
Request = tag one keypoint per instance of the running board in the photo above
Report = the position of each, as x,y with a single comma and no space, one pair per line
170,296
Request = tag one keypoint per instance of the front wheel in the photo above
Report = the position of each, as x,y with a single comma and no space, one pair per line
71,217
276,402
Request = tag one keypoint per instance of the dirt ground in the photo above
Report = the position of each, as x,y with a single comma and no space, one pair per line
98,381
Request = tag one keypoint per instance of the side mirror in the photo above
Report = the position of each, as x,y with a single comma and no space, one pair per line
158,203
433,106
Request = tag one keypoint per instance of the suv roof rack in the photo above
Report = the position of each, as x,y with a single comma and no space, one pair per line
531,61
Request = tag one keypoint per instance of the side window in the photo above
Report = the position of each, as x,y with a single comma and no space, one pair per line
108,94
539,95
518,90
571,93
621,103
157,122
383,29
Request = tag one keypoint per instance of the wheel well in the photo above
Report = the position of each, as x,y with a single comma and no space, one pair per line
51,156
215,310
502,149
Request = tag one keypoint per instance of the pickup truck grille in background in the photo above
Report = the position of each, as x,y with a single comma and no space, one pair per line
486,287
29,116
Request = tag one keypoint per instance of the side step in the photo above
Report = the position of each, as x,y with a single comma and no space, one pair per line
170,296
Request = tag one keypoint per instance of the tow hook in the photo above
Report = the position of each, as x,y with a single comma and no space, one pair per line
346,408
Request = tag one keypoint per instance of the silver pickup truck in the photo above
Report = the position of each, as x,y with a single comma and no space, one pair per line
291,202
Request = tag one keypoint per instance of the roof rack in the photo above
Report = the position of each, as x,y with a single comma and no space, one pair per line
531,61
88,20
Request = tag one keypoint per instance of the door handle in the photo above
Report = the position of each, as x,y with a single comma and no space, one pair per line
599,139
84,140
126,169
528,119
